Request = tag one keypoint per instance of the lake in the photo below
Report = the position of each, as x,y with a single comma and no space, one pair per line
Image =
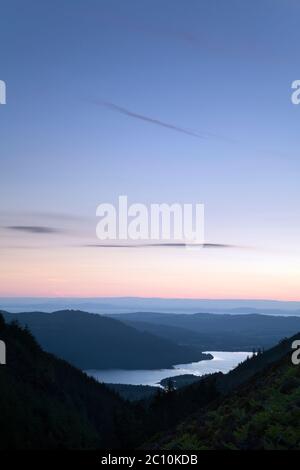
222,362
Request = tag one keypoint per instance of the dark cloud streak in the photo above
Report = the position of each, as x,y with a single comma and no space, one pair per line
125,111
37,229
163,245
141,117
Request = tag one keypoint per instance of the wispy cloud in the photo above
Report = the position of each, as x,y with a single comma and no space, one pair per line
59,216
43,223
158,122
142,117
201,40
196,39
164,245
33,229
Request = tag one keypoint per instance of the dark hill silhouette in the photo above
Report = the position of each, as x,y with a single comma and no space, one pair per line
45,403
92,341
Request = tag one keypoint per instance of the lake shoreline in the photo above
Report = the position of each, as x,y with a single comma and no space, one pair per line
221,361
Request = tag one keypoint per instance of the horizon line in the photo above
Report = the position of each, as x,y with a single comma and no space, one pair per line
214,299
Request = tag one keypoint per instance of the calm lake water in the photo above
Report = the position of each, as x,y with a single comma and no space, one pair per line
222,362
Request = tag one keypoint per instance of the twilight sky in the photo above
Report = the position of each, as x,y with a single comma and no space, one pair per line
164,101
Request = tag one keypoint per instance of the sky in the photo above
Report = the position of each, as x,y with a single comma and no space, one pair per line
164,102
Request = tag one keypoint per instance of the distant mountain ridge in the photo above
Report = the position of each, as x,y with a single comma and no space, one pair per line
91,341
211,332
106,305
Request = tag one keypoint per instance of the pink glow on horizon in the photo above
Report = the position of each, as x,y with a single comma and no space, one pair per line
115,273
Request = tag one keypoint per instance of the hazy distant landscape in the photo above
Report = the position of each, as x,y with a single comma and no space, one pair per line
131,351
107,305
148,339
149,232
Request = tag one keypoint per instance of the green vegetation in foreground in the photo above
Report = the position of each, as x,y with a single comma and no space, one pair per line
262,414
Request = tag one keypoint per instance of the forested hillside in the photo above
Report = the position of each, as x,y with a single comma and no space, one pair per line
92,341
263,413
47,403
